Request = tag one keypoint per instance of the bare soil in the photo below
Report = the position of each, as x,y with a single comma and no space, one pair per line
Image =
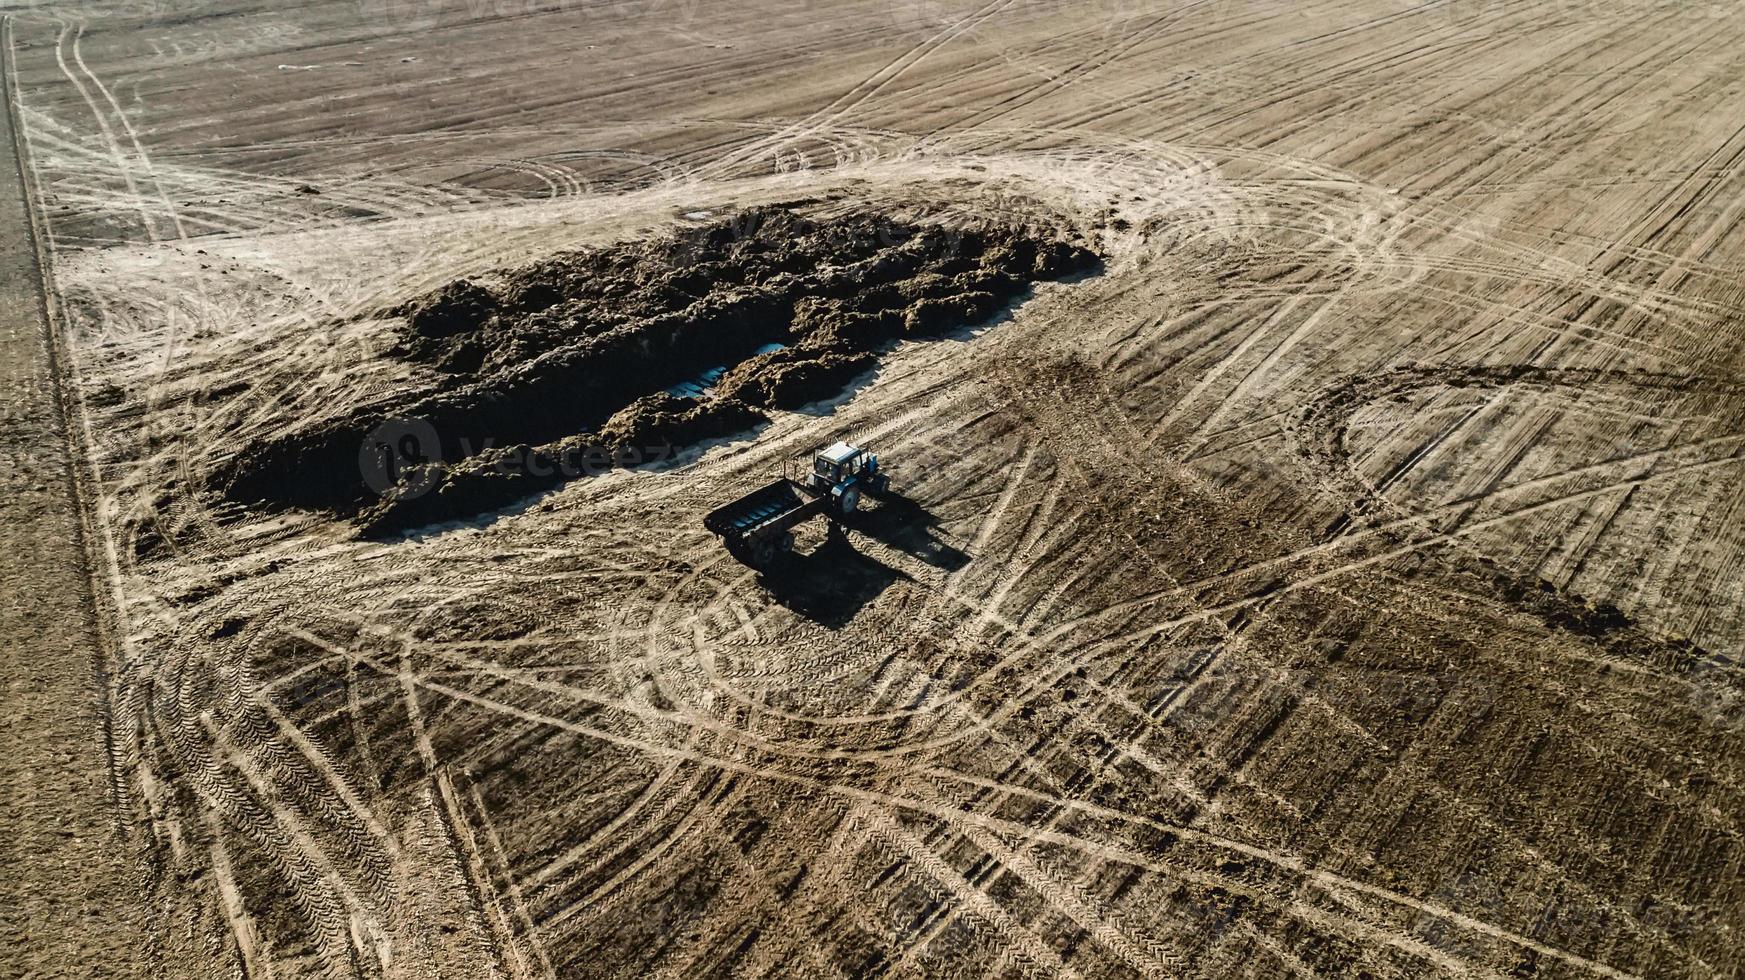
68,906
1338,577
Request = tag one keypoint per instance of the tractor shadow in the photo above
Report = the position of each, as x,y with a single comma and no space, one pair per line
831,583
835,580
904,525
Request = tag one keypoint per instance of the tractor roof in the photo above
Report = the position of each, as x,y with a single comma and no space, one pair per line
841,452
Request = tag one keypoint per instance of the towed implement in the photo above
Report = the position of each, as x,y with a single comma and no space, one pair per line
760,525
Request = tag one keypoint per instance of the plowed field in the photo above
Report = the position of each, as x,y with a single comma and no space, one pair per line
1333,570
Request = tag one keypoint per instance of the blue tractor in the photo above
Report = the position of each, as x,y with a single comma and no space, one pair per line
844,472
759,526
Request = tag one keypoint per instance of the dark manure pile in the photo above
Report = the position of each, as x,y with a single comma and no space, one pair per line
619,356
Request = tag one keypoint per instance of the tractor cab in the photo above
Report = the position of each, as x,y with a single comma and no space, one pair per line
844,472
833,465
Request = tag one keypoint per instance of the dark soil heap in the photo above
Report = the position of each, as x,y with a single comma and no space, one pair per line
562,368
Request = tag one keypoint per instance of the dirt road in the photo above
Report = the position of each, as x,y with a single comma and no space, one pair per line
1341,580
71,903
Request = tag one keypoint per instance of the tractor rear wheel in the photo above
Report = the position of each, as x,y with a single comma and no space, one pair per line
847,499
763,553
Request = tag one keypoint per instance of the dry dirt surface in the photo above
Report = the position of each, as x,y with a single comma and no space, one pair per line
1339,574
